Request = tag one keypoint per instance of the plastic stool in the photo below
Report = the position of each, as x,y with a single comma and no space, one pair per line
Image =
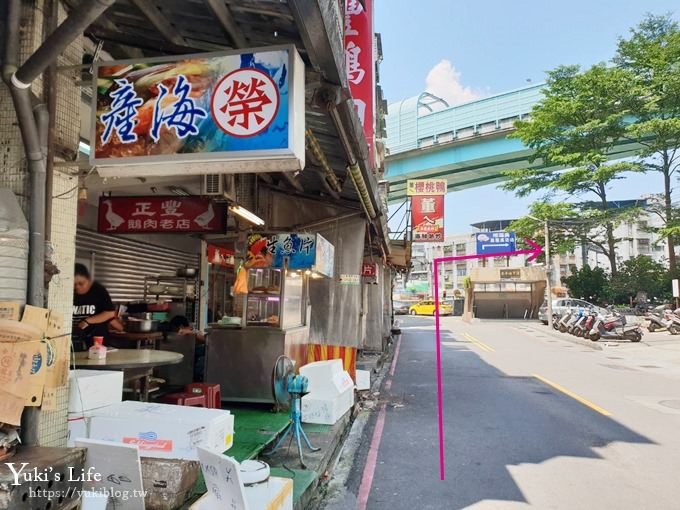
187,399
211,390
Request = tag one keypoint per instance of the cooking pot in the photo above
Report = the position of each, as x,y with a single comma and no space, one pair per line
141,325
187,272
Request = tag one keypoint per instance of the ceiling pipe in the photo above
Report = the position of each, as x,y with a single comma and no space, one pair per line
73,26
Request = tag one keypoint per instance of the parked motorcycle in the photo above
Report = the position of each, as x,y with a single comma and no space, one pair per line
584,325
565,320
613,327
579,318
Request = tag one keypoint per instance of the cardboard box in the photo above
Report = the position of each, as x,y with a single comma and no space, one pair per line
324,410
9,310
163,430
23,369
78,427
92,389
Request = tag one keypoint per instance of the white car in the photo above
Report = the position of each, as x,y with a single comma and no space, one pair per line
561,306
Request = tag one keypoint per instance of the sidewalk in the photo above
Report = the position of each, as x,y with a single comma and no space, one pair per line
659,351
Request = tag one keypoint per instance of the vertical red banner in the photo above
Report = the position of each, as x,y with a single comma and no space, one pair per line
427,218
360,65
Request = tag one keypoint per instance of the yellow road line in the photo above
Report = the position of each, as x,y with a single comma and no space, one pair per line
573,395
478,343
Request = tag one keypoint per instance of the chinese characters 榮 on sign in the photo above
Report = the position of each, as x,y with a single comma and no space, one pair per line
225,110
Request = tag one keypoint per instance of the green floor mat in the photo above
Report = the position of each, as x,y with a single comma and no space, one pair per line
301,479
254,430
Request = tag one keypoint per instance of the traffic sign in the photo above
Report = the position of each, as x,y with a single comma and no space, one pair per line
489,243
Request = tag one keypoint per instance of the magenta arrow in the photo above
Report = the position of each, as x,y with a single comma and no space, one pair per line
534,252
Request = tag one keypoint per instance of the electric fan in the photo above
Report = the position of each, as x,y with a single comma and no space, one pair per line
288,389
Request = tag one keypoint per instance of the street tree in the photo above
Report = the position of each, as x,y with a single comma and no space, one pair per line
652,54
574,131
641,274
591,284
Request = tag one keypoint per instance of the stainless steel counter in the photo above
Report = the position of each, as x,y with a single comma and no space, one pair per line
242,360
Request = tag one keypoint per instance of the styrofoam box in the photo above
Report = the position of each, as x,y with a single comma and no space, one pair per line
164,430
320,375
326,411
274,494
363,380
91,389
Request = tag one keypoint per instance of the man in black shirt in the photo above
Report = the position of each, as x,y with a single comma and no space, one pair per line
92,307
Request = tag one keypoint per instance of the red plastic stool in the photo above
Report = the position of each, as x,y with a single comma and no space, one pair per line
211,390
187,399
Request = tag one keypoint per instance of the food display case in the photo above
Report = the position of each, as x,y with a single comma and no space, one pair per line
274,314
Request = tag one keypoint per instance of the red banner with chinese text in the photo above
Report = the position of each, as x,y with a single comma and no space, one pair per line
427,218
359,63
172,214
220,256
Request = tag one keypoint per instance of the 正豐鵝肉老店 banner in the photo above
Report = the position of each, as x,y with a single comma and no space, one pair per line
228,112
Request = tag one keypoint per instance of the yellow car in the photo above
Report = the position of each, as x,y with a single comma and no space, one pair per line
427,308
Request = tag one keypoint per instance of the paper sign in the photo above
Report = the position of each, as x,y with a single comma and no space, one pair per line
223,481
37,317
9,310
119,470
11,408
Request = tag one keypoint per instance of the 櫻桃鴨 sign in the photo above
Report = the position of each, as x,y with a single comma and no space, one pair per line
425,187
232,112
495,242
427,218
134,215
359,63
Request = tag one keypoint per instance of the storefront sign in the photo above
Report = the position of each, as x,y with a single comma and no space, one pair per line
135,215
350,279
220,256
427,218
359,63
232,112
369,273
369,269
510,274
489,243
291,250
425,187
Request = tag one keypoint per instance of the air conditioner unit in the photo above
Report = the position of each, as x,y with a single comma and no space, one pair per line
222,187
213,185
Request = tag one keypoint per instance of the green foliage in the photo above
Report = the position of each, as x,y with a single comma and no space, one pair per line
576,126
591,284
641,273
652,55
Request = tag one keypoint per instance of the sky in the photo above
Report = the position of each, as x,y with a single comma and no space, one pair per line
463,50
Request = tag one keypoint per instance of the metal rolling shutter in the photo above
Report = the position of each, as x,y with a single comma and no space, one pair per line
121,264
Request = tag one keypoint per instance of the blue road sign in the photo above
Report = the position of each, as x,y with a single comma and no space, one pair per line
489,243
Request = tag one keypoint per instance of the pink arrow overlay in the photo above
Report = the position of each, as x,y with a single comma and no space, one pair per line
534,252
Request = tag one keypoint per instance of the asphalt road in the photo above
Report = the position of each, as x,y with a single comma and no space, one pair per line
530,421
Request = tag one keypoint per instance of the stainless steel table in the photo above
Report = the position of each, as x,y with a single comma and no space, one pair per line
136,364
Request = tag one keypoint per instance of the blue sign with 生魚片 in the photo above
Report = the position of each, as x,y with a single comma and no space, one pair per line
489,243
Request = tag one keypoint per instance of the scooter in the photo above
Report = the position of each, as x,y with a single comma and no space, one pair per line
588,324
565,320
613,327
579,318
659,321
583,325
